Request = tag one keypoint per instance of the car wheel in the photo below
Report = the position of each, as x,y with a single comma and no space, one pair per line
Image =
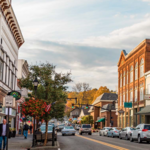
139,139
107,135
103,134
73,134
147,141
62,134
131,139
127,137
112,136
120,137
81,133
99,134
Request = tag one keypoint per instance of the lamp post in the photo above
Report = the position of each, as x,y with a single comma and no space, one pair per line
35,84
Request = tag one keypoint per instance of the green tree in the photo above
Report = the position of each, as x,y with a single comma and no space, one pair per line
87,119
52,87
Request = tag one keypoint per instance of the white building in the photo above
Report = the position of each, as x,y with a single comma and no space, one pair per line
10,41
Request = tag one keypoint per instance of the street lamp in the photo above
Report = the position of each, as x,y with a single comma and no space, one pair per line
35,83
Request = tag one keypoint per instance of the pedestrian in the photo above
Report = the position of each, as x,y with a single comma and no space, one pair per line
4,130
30,128
25,130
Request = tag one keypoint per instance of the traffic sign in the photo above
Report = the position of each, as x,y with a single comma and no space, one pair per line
127,105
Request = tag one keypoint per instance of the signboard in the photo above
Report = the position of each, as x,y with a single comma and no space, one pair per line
127,105
147,97
121,111
9,101
15,94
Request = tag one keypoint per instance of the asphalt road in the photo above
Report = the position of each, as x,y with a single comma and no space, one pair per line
96,142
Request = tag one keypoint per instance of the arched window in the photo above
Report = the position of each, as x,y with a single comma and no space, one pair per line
136,71
142,68
131,74
121,80
124,78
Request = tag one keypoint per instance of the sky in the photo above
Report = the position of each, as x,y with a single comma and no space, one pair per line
85,37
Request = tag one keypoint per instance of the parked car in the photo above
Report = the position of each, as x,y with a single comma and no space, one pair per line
77,127
114,132
68,130
104,131
59,128
85,128
141,133
126,132
50,130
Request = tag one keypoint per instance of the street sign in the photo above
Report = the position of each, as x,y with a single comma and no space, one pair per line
9,101
147,97
127,105
15,94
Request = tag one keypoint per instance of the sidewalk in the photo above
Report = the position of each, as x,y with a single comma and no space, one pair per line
19,143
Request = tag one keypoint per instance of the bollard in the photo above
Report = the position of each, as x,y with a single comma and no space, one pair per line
53,137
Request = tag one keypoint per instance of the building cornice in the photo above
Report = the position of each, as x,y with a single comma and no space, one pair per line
12,22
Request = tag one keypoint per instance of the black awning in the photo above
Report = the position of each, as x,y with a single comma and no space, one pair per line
144,111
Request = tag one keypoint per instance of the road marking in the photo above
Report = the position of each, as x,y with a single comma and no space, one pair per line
103,143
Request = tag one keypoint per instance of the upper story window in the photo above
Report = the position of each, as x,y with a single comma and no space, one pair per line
142,68
120,100
124,78
1,69
127,77
131,96
121,80
136,71
127,96
136,95
131,74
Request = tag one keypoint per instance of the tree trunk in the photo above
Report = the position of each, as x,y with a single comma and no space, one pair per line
45,142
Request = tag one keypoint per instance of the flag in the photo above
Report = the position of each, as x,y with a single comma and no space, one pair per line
48,107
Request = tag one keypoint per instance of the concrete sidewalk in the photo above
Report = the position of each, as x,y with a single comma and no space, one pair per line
19,143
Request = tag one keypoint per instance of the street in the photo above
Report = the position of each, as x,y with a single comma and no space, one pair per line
95,142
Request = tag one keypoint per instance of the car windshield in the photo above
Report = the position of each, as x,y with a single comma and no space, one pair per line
61,126
86,126
69,127
118,128
132,128
107,128
43,128
147,127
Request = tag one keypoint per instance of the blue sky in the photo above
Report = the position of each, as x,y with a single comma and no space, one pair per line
82,36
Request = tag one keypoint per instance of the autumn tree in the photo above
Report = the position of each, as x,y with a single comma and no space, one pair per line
87,119
52,87
100,91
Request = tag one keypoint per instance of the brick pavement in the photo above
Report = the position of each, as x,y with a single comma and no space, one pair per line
19,143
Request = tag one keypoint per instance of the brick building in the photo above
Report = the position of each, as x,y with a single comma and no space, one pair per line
99,113
131,83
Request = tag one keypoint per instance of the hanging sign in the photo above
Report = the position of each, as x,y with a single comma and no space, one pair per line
9,101
15,94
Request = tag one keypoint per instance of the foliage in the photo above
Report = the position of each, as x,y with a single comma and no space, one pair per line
74,121
87,119
52,87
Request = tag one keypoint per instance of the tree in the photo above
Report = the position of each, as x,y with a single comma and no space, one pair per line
87,119
52,87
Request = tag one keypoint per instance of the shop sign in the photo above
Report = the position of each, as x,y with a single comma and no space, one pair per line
147,96
15,94
9,101
127,105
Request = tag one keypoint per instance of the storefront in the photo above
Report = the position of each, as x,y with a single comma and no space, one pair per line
12,117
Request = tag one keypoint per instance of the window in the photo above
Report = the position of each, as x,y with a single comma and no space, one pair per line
124,78
127,77
141,93
123,98
136,71
142,68
148,89
135,95
120,100
131,96
121,80
131,74
12,80
127,96
1,70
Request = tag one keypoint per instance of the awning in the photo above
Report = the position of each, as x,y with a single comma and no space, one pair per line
144,111
101,120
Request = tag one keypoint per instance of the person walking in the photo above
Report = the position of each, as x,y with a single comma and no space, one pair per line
4,130
31,129
25,130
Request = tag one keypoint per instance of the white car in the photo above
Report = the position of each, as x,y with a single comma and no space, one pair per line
141,133
104,131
